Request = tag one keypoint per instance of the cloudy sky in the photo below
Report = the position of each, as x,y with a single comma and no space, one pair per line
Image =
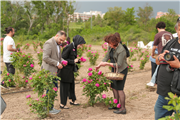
161,5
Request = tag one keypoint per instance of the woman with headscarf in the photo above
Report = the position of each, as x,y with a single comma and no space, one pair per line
67,85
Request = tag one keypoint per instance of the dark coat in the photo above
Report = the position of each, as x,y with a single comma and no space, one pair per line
70,54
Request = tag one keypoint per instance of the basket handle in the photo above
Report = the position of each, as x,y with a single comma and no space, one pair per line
116,68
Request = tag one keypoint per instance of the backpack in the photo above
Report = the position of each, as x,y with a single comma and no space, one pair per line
127,50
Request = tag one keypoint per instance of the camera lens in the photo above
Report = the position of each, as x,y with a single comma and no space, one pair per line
167,56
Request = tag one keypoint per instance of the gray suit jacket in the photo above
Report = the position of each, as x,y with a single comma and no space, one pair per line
51,56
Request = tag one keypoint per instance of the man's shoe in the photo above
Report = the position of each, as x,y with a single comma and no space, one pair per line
54,111
150,84
120,111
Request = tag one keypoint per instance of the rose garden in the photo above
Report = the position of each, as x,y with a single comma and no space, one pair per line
29,99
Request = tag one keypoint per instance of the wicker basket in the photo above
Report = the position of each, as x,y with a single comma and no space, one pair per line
115,75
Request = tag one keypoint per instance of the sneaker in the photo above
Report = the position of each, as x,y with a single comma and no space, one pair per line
54,111
150,84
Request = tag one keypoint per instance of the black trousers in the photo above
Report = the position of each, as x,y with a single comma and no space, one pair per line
67,89
10,68
153,68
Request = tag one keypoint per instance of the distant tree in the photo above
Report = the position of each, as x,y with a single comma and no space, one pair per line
114,16
98,21
129,17
145,14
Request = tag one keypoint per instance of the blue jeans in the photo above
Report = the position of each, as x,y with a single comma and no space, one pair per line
153,79
159,110
56,85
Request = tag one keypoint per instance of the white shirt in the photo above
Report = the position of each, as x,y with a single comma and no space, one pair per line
175,35
6,53
58,51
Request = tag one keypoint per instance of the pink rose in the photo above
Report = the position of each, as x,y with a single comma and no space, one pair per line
93,55
26,81
39,77
30,78
30,105
29,56
118,105
28,96
105,83
37,99
97,85
147,55
100,72
55,89
142,51
109,101
43,95
131,50
3,82
24,65
130,47
84,80
89,74
31,65
37,52
90,69
83,87
73,49
27,62
115,101
104,96
131,65
11,53
23,55
91,52
7,74
127,66
89,81
94,51
9,80
141,58
82,59
77,55
64,62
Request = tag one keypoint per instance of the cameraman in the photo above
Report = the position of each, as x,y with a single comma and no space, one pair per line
165,77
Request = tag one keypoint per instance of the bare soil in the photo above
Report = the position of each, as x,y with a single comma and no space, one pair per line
140,99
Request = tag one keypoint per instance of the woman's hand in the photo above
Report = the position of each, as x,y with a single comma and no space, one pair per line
76,60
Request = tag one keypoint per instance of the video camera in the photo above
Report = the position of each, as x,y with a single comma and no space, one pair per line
169,57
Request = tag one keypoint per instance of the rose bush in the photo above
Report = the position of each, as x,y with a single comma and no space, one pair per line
93,56
41,82
94,86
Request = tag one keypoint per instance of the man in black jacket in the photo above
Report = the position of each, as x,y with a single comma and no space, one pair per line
165,77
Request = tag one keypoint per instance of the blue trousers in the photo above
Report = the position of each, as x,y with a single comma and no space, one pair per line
56,85
159,110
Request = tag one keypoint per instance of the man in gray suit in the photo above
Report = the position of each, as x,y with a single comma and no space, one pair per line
52,58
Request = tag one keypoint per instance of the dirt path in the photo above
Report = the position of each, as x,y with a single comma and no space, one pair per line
140,101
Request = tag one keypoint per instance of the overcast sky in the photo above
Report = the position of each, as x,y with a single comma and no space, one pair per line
161,5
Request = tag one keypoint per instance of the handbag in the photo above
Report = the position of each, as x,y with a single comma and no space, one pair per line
3,105
114,75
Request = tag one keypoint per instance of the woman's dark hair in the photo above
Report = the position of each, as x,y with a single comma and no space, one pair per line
119,38
68,40
112,39
160,25
8,30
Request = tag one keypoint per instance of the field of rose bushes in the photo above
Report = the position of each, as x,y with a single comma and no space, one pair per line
92,88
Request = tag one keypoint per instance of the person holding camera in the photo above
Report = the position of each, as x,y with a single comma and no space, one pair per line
8,48
169,68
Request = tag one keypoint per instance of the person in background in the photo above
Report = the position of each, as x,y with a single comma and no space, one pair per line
8,48
117,55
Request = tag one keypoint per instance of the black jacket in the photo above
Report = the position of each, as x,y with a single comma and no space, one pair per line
69,54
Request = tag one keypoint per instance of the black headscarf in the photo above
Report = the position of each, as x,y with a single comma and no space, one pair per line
78,40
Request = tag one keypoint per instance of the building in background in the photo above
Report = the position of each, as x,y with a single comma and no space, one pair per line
160,14
86,15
